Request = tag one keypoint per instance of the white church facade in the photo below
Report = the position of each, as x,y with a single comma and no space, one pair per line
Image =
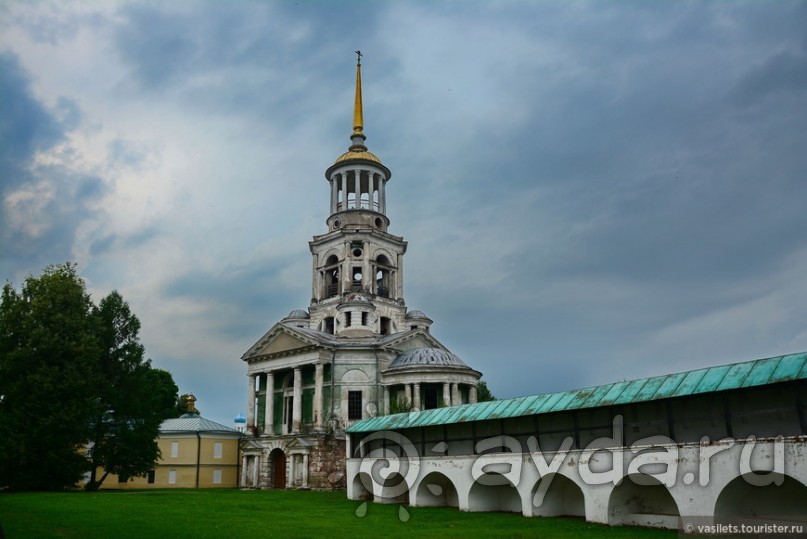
355,352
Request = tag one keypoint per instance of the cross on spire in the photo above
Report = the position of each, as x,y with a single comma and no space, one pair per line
358,59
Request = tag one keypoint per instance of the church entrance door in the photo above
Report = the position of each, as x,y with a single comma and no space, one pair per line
278,458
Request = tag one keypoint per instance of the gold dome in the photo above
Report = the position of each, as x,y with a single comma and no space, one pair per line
354,155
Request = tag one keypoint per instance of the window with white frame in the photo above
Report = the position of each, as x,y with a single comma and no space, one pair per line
216,477
174,449
217,450
172,477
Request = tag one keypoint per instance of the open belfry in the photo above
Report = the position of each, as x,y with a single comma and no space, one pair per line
356,352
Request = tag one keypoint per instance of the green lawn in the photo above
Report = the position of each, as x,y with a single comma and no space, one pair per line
233,514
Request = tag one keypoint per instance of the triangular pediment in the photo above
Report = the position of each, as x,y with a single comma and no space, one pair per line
280,340
298,443
414,339
283,342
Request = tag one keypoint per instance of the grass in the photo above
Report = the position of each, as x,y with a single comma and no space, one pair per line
201,514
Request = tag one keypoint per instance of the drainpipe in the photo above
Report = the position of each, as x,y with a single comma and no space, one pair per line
333,377
379,400
198,455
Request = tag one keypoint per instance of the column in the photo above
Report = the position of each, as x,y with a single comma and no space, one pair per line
472,394
371,186
447,394
398,281
356,185
297,410
455,394
334,191
344,191
416,394
346,273
305,471
290,478
244,471
269,417
251,401
316,280
318,378
386,401
408,393
382,199
256,470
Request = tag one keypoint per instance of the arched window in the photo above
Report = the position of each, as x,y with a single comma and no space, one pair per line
331,274
382,276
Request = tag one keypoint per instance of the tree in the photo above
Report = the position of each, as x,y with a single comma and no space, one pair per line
132,400
48,374
75,390
483,394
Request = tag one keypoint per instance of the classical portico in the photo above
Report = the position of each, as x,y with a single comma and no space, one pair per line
356,351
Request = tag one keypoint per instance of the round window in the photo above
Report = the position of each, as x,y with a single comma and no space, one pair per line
379,223
357,252
337,223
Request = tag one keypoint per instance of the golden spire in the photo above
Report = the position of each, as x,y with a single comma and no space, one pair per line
358,115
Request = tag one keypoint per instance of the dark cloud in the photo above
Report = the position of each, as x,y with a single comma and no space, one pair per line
782,76
26,126
42,204
241,300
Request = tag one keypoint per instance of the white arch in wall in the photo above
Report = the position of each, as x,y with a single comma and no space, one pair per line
435,490
642,500
393,489
362,487
563,498
740,498
494,492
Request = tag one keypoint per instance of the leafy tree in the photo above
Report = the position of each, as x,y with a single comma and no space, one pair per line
483,394
48,375
75,390
132,400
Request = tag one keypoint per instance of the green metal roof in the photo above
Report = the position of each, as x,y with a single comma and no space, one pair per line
759,372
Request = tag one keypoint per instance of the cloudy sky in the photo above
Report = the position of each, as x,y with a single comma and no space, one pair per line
591,192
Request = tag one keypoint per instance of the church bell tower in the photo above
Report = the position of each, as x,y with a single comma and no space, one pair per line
357,285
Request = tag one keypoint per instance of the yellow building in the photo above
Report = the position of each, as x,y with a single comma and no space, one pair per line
195,453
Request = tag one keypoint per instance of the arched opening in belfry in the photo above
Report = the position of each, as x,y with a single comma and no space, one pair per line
742,499
331,274
382,276
493,492
436,490
357,278
328,325
642,500
562,497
